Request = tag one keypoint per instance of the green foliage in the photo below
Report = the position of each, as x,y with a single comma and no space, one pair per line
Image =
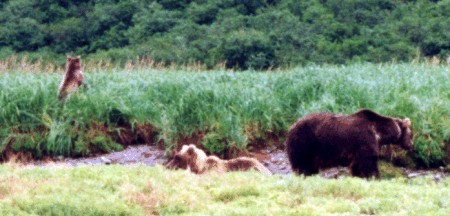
222,110
28,143
228,195
246,49
150,20
143,190
389,171
105,144
245,34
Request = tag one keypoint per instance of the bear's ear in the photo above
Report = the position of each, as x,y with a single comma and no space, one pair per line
406,122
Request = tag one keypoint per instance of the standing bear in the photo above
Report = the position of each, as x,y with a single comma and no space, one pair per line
323,140
73,78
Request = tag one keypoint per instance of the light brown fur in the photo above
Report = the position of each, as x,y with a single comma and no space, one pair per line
195,160
73,78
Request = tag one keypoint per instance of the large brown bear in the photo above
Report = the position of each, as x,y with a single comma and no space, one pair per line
195,160
73,78
323,140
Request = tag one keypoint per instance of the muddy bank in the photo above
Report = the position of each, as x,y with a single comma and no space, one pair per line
136,154
274,159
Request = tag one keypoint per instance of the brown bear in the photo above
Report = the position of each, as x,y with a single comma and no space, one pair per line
73,78
195,160
323,140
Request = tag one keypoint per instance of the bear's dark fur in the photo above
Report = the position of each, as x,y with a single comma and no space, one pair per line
323,140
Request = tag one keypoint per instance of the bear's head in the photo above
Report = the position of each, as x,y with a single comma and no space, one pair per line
74,62
189,157
406,136
178,162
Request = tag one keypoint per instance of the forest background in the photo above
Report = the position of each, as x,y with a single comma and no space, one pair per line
243,34
325,56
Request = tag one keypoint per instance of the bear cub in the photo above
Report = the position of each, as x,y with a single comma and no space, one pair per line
73,78
195,160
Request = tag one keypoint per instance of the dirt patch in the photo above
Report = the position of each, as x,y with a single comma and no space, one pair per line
135,154
275,159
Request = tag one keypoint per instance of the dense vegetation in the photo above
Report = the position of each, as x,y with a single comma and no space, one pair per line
142,190
244,33
224,111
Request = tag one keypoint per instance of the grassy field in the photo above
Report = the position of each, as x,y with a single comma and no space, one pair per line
222,110
142,190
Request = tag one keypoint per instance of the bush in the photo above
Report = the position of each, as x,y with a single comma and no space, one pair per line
246,34
246,49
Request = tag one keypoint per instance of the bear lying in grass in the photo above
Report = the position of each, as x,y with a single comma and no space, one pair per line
323,140
195,160
73,78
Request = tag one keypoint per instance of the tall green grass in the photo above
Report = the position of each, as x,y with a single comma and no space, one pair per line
142,190
223,110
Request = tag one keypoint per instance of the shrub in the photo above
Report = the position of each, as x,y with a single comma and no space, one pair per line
246,49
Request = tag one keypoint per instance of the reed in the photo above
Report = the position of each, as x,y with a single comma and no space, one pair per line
223,110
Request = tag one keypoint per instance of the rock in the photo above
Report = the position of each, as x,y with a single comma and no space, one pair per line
105,160
412,175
